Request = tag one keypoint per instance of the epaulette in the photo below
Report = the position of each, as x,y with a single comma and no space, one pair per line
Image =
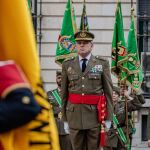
100,57
69,58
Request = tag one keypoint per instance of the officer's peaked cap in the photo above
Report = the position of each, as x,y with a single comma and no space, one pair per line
83,36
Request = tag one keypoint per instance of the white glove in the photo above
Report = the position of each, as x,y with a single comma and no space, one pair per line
66,127
108,124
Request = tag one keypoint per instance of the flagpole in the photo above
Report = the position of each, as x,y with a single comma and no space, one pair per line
131,3
126,101
40,32
72,17
127,120
123,85
83,21
132,8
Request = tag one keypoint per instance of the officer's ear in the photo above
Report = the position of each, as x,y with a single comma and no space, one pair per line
92,44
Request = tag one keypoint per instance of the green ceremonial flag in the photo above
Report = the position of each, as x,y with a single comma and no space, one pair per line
119,52
135,77
84,20
66,42
29,3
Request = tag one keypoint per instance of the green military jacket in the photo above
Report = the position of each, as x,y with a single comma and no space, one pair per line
119,110
57,112
95,80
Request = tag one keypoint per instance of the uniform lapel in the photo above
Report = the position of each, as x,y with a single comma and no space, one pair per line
76,66
90,64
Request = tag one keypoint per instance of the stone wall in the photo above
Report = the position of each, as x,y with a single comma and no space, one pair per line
101,22
101,19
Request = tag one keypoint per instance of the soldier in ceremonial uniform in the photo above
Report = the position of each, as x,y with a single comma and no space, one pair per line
85,79
114,141
55,100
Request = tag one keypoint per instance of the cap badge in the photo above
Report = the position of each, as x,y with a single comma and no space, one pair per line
83,34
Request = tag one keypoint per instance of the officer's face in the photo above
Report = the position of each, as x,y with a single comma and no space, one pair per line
58,80
84,47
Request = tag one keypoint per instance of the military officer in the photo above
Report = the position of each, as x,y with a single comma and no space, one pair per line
114,141
55,100
85,79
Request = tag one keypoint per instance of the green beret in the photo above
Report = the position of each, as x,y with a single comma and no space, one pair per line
83,36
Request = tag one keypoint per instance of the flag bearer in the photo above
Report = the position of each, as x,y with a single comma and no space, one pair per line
56,102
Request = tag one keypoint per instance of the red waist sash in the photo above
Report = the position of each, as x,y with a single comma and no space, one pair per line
98,100
84,99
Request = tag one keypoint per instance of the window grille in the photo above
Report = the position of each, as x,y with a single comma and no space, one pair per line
144,127
143,34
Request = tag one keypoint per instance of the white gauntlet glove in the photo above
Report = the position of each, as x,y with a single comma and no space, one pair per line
66,127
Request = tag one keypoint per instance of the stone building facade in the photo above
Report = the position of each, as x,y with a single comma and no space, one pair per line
101,17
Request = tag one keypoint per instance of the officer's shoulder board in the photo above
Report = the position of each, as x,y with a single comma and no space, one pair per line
101,58
69,59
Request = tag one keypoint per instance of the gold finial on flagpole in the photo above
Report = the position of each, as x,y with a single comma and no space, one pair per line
132,8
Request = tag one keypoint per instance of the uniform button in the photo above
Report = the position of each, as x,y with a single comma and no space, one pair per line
83,86
82,78
82,94
25,100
